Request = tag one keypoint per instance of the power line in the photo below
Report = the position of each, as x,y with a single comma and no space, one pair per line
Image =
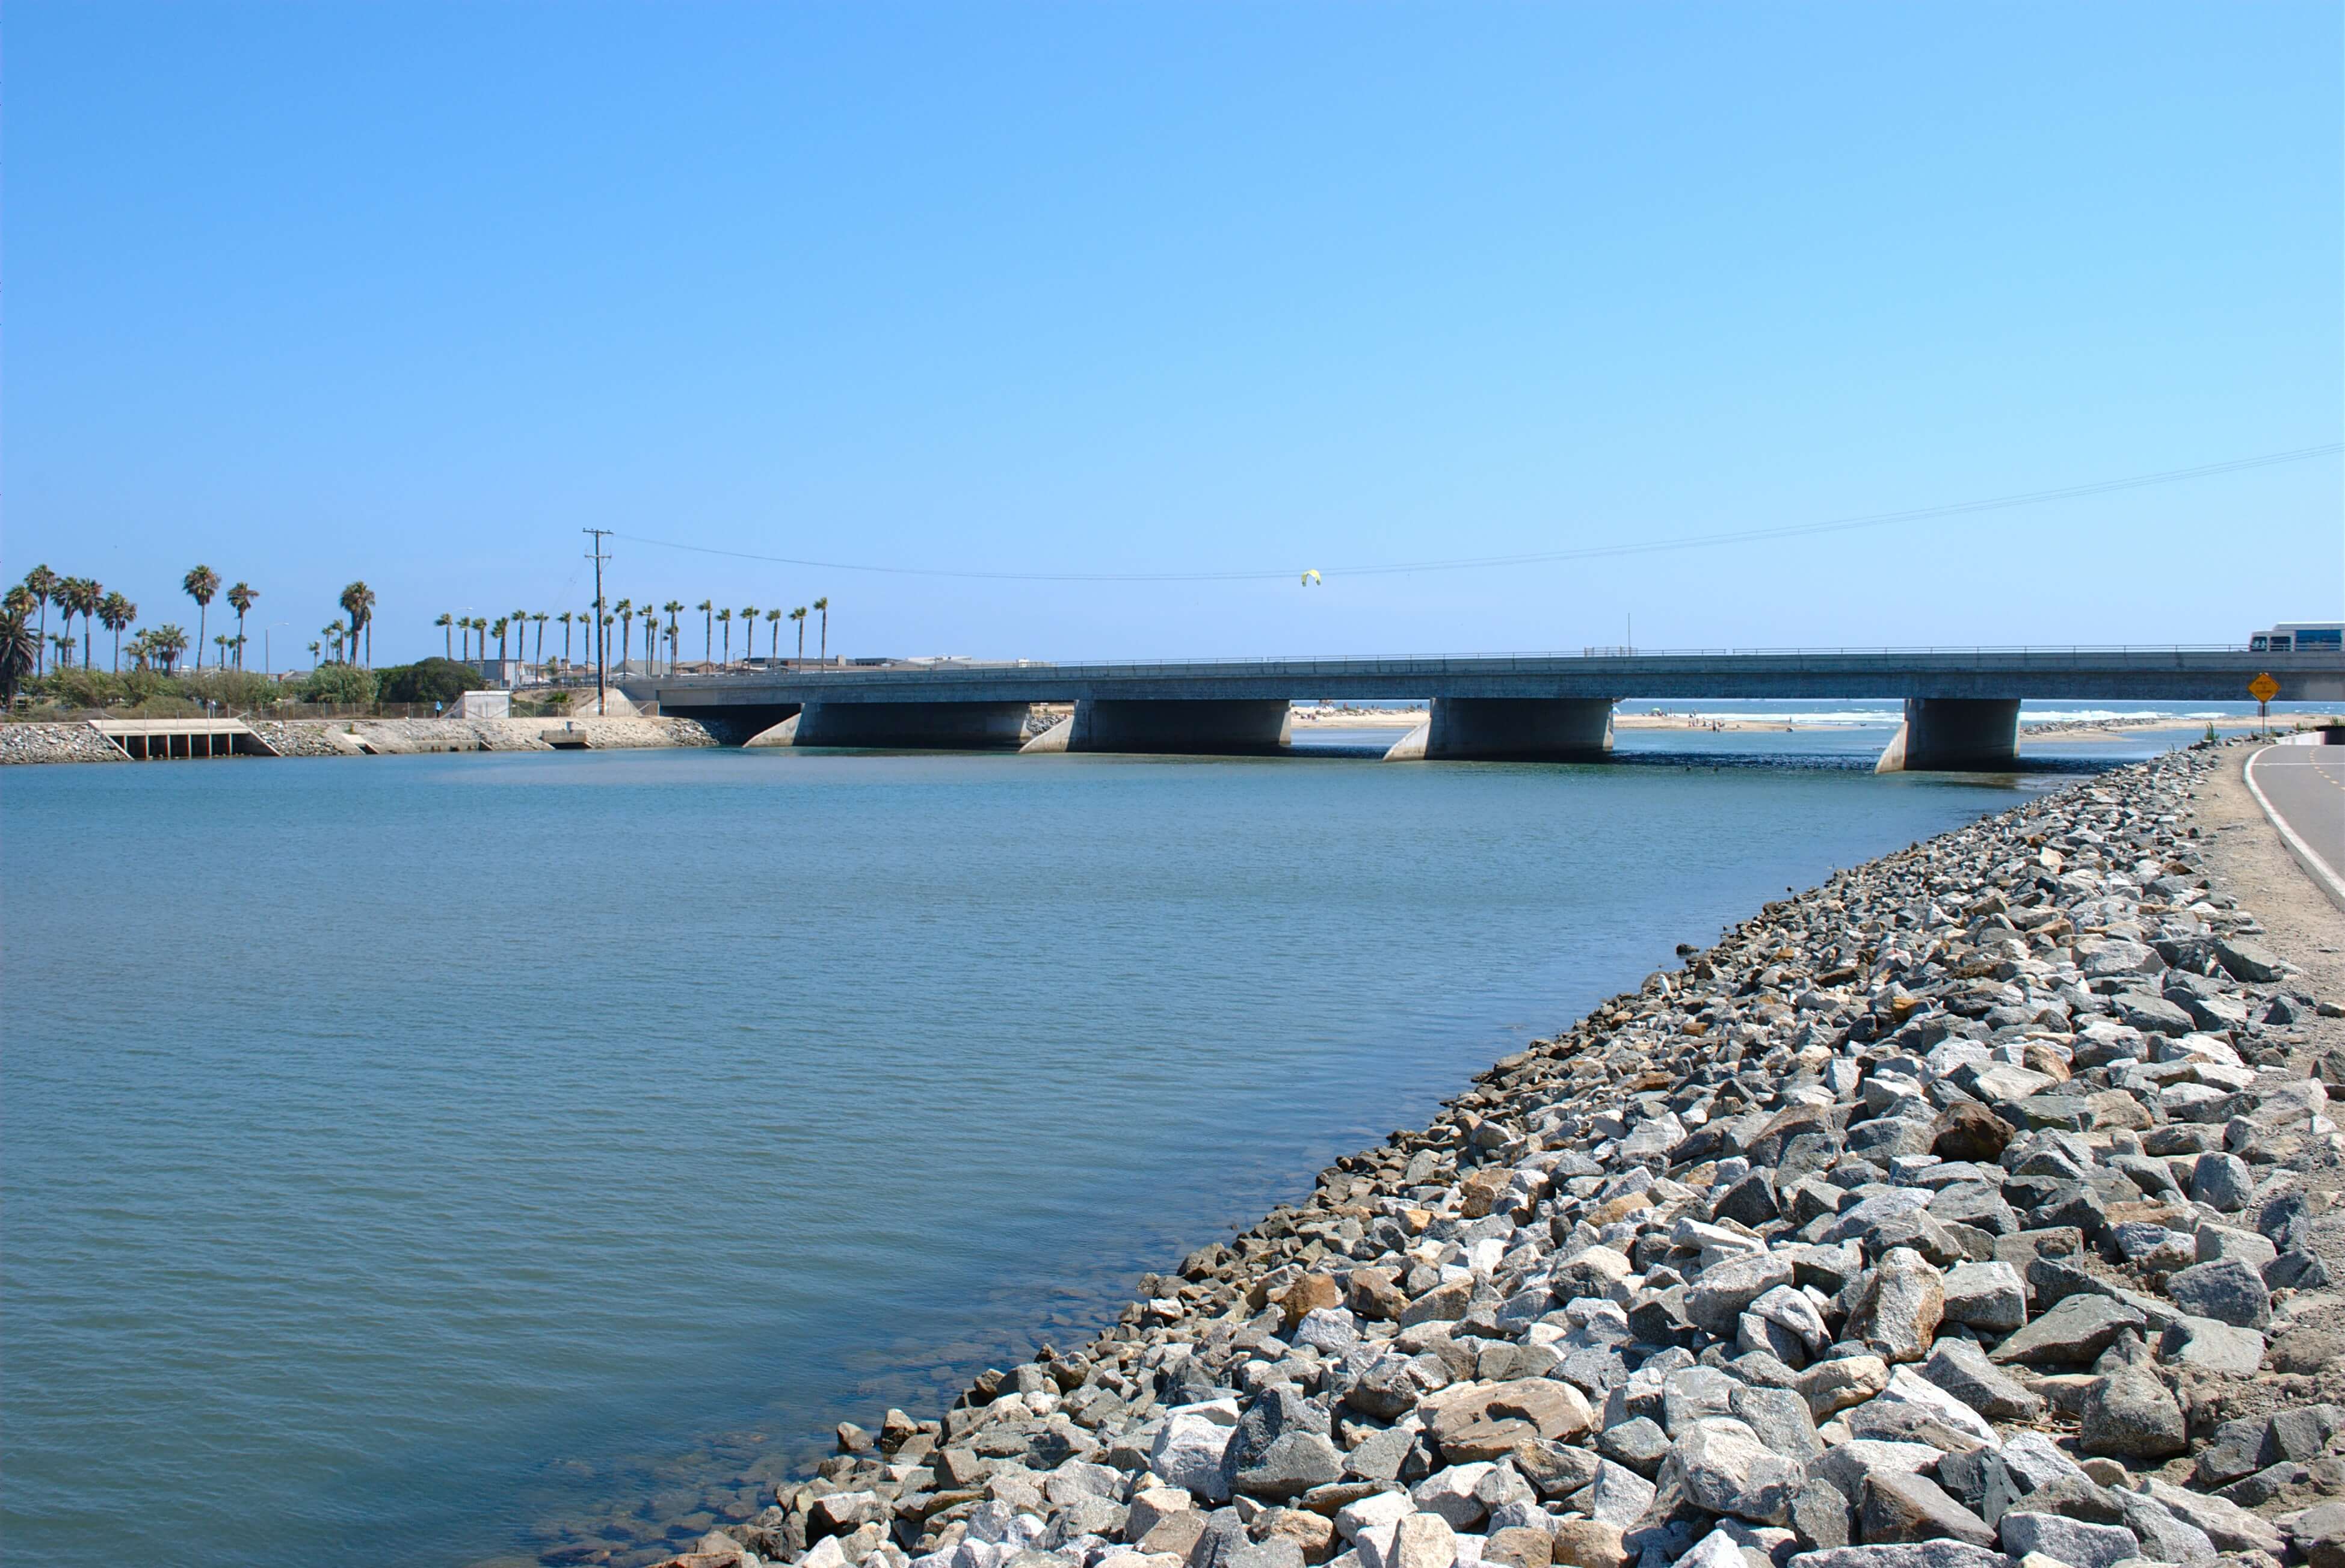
1584,552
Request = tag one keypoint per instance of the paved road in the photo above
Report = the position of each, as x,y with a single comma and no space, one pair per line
2306,788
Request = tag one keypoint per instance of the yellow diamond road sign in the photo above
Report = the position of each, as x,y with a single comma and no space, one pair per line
2263,688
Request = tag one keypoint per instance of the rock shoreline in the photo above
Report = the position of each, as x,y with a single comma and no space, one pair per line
78,743
1974,1208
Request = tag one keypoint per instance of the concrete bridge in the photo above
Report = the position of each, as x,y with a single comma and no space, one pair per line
1962,704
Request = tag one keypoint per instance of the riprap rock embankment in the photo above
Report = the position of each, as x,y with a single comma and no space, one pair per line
1971,1208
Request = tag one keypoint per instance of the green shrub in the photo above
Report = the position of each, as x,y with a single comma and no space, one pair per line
230,688
338,683
432,681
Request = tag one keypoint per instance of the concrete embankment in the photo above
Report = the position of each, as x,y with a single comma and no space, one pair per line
81,743
1975,1208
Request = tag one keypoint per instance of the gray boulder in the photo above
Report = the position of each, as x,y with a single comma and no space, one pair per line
2227,1290
1962,1370
1914,1508
1727,1470
2074,1331
2129,1415
2071,1541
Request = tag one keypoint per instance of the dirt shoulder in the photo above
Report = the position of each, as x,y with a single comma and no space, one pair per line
2248,860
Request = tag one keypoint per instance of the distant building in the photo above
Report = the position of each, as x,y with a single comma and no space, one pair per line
505,674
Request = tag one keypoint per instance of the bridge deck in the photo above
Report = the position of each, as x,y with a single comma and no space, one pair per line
2107,675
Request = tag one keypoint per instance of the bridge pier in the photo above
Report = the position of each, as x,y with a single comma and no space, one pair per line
1174,727
1954,734
906,726
1511,729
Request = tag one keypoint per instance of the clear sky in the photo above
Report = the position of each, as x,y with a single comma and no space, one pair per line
414,292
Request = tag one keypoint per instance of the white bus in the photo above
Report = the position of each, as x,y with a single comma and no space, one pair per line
2298,637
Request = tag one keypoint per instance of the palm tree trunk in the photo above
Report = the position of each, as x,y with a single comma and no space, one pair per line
822,649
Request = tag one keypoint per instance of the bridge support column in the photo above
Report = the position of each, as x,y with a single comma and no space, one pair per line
910,726
1954,734
1178,727
1511,729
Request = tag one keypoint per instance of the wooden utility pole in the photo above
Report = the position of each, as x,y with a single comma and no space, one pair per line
602,677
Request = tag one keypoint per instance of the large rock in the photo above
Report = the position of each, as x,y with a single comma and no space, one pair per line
1726,1287
1842,1381
2245,960
1187,1454
1962,1370
2205,1345
1589,1543
2129,1415
1485,1422
1781,1418
2074,1331
1618,1496
2071,1541
1989,1297
2229,1526
2222,1181
1279,1449
1914,1508
1967,1130
1901,1307
2227,1291
1728,1469
1914,1554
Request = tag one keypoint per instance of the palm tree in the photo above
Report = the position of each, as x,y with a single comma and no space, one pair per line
707,633
87,596
447,637
332,632
748,635
725,618
539,618
42,584
673,608
63,642
626,613
170,641
799,615
241,596
359,599
313,655
822,652
118,613
220,647
564,619
774,634
498,631
199,584
20,655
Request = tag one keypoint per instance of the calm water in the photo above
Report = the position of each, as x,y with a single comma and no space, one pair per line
408,1159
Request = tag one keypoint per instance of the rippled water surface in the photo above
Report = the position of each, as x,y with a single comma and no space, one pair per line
419,1160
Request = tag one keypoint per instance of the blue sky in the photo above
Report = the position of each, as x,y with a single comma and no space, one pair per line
414,292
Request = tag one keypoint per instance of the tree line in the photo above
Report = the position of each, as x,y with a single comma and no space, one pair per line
29,650
515,629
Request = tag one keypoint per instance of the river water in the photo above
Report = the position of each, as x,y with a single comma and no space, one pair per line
429,1160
